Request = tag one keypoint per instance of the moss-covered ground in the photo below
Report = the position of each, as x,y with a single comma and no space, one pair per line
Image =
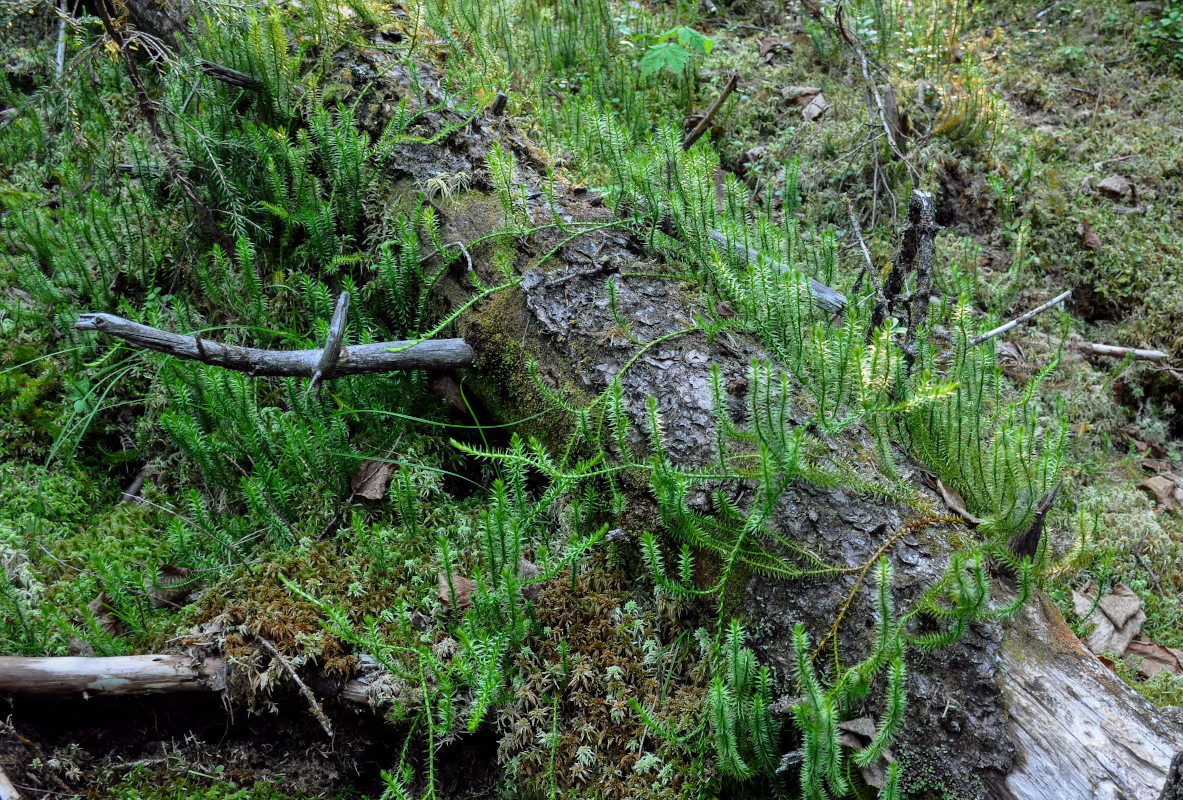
1014,114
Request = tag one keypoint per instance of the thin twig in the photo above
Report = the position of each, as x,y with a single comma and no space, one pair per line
833,631
313,703
355,360
1017,321
705,122
868,267
60,59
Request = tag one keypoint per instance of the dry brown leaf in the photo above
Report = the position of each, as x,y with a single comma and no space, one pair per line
769,47
173,585
1166,489
1155,658
371,479
104,615
817,106
463,588
955,503
1116,187
1088,235
445,387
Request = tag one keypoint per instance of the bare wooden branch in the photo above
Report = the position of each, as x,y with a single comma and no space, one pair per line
231,77
1097,349
313,703
164,673
114,675
1017,321
705,123
331,352
829,299
868,266
356,360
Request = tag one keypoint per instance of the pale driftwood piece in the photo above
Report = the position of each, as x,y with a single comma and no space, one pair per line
827,298
112,675
706,121
356,360
1017,321
164,673
7,790
1079,731
1096,349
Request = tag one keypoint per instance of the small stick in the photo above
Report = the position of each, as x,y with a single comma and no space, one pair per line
356,360
60,60
332,349
1096,349
132,493
1017,321
869,268
313,703
705,122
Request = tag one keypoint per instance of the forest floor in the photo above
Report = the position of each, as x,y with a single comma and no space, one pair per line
1051,135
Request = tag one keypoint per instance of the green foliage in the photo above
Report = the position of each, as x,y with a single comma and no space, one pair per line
987,447
1164,36
674,50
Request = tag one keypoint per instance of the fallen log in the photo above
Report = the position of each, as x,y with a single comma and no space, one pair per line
358,359
166,673
113,675
992,715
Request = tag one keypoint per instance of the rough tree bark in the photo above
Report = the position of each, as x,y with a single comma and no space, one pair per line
1015,710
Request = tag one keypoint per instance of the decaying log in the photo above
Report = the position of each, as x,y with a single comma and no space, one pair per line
1017,711
114,675
1079,731
355,360
968,727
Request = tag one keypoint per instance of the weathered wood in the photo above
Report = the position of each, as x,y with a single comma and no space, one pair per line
231,77
166,673
1080,732
709,117
1113,351
356,360
1017,321
331,352
7,790
114,675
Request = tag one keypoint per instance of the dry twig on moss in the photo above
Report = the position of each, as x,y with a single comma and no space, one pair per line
356,360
